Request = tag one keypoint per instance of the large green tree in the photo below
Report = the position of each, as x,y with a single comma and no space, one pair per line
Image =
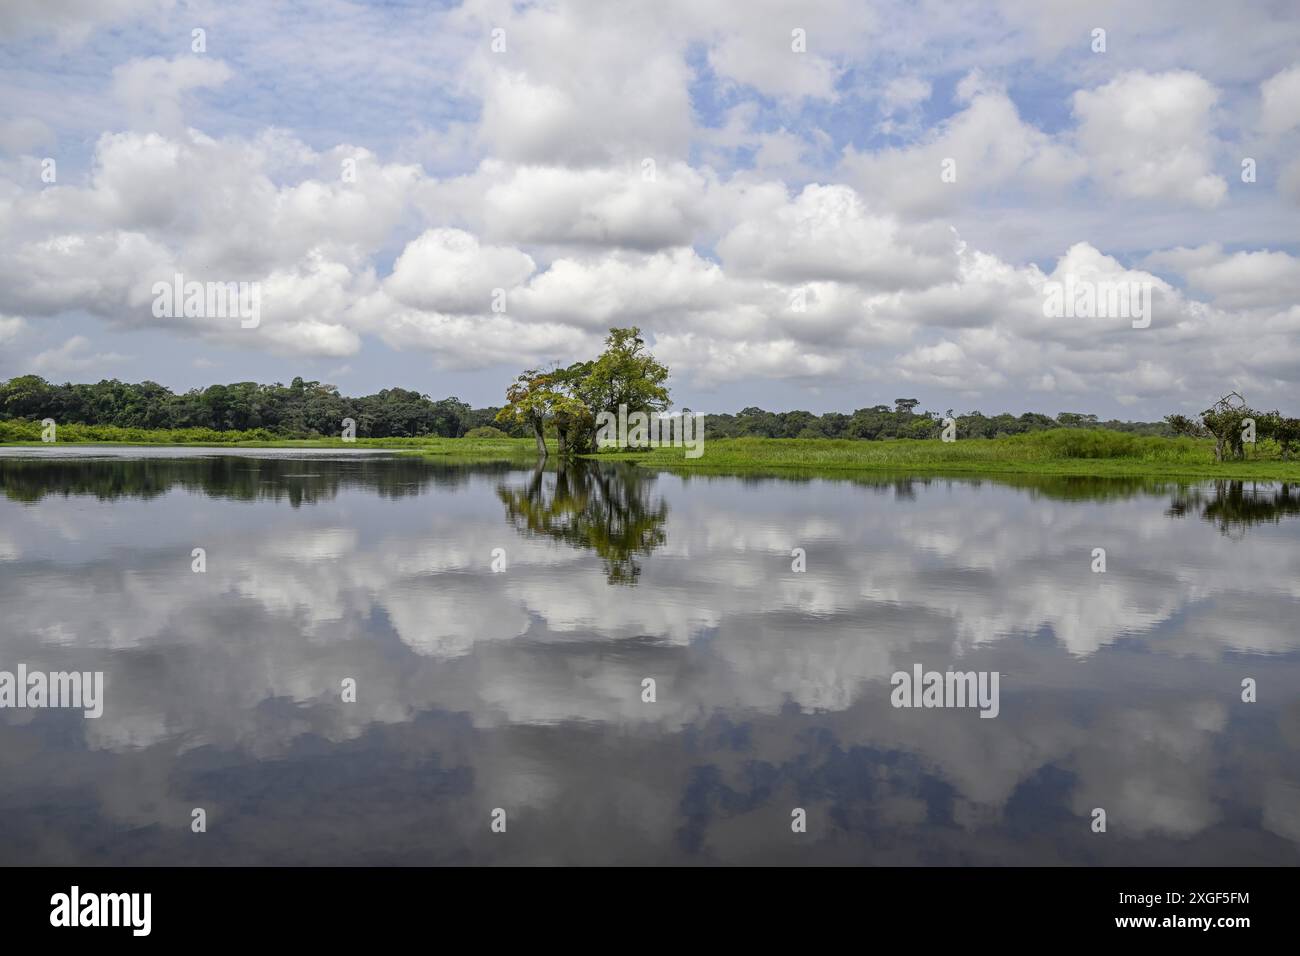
625,374
530,401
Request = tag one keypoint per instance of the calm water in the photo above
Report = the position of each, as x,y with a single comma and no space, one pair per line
522,690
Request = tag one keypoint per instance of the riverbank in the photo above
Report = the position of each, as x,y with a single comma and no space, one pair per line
1056,452
1078,452
28,435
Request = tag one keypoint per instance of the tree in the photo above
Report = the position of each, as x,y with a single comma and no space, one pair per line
25,396
1225,421
905,406
529,400
572,415
1287,433
1076,420
624,374
1182,425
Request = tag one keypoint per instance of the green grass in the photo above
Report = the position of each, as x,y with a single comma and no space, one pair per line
1056,452
22,433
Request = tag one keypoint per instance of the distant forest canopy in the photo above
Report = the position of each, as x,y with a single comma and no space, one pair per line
305,409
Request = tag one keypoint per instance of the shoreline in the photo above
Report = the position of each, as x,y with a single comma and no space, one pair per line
1170,459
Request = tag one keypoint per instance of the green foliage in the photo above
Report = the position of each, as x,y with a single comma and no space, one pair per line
1286,433
624,374
1182,425
1226,421
883,422
565,402
24,431
302,409
610,510
485,431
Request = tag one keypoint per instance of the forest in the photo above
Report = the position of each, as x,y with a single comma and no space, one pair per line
308,409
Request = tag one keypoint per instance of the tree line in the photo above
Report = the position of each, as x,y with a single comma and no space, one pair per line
902,420
1233,425
561,404
301,409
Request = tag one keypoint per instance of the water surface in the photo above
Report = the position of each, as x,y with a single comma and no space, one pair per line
522,689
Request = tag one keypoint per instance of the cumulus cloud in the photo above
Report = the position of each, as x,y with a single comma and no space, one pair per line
984,146
605,164
827,233
1149,136
449,270
639,206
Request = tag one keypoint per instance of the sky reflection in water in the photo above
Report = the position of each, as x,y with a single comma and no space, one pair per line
522,689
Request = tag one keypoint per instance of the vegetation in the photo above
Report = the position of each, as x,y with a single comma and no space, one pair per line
485,431
903,421
495,446
299,410
625,377
609,509
1233,425
1228,440
561,404
1054,452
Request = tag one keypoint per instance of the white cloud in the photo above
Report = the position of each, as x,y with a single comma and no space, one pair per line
1240,280
71,20
990,147
639,206
75,356
827,233
23,134
904,92
448,270
153,88
1149,136
1280,102
764,194
11,327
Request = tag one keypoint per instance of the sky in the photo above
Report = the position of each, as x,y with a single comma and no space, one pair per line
822,205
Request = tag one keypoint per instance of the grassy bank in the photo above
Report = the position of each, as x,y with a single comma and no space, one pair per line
19,433
1054,452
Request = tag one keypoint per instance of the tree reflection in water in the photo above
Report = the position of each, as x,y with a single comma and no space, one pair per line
1236,505
610,509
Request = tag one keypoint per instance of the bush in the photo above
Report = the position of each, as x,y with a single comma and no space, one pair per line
18,430
1090,443
485,431
21,431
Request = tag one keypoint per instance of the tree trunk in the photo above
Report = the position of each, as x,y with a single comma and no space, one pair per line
562,441
541,439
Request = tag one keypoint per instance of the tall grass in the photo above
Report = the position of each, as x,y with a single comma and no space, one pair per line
27,432
1055,451
1061,451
